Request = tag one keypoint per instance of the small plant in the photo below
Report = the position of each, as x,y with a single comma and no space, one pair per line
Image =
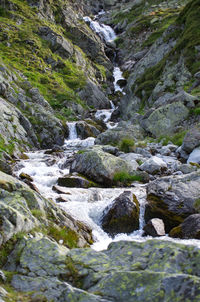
127,145
69,237
125,178
37,213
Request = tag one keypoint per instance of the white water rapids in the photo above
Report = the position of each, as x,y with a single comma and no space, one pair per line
86,205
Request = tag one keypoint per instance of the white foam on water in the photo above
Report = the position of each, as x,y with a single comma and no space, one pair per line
117,74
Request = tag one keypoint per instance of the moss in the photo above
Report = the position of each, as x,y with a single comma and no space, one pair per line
70,238
37,213
176,139
4,147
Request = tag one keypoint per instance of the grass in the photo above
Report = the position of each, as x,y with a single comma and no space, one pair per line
4,147
125,178
176,139
127,145
69,237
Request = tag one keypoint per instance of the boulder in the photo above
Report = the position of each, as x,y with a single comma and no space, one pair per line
191,140
115,135
173,198
22,209
164,119
155,227
94,96
85,130
194,156
122,216
74,181
154,165
101,167
188,229
131,159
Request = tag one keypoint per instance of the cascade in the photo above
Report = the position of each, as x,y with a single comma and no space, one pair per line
86,205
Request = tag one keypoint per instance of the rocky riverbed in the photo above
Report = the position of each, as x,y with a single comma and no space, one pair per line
99,151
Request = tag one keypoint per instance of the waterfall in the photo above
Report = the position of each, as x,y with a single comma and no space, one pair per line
72,131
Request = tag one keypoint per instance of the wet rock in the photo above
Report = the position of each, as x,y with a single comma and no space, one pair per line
122,216
122,82
155,227
75,181
194,156
22,209
188,229
60,190
85,130
191,140
173,198
154,165
25,176
62,198
2,276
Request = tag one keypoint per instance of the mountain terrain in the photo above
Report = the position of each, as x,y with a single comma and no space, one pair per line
55,71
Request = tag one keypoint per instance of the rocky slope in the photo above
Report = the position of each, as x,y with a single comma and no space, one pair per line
53,69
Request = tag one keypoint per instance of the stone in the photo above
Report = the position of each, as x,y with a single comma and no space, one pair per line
25,176
155,227
173,198
94,96
85,130
100,167
122,216
188,229
131,159
74,181
164,119
191,139
194,156
154,165
2,276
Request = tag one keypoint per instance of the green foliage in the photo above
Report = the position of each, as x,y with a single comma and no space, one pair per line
176,139
8,148
37,213
195,111
126,145
125,178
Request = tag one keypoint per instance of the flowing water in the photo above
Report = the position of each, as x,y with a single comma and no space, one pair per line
86,205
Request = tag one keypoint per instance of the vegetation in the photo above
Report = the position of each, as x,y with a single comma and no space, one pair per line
176,139
126,145
68,237
4,147
125,178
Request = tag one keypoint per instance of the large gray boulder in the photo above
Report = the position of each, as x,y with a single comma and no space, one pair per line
173,198
154,165
94,96
101,167
164,119
194,156
122,216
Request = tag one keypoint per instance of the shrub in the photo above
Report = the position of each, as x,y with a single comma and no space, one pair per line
125,178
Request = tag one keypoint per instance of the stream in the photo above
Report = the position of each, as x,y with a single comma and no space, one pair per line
86,205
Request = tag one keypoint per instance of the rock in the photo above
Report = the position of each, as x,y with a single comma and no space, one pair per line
122,216
75,181
122,82
93,96
116,135
85,130
110,149
100,167
164,119
181,154
131,159
139,271
155,227
184,168
191,140
187,99
173,198
194,156
188,229
2,276
154,165
25,176
22,209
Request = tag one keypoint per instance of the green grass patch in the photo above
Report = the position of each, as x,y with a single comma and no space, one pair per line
125,178
176,139
69,237
127,145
